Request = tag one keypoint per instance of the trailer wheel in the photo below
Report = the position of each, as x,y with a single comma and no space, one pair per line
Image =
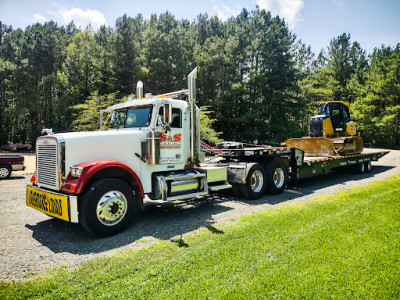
106,207
5,172
277,176
367,166
359,168
255,184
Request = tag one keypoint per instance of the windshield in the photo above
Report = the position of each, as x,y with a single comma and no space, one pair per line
321,109
131,117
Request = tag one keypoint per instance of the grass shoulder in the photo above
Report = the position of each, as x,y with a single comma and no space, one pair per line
340,246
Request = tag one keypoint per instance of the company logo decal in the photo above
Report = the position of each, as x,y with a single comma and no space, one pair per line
171,142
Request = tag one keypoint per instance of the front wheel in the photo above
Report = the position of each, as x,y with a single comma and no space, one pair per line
255,184
5,172
276,176
106,207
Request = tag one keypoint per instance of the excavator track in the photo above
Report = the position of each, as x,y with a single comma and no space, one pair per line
348,145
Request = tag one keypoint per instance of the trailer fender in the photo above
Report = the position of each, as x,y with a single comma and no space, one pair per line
100,169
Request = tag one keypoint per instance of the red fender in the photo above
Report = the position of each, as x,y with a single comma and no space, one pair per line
76,185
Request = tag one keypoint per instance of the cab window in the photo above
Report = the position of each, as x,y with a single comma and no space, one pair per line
176,117
132,117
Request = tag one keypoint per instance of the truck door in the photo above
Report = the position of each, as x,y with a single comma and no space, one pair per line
171,139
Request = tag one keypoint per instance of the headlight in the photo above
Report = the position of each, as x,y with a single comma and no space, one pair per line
76,171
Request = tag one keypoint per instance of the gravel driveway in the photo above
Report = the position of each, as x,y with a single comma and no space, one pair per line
31,242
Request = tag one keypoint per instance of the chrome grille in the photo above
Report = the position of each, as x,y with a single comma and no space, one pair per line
47,163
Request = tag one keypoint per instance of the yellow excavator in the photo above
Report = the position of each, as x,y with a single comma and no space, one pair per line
332,132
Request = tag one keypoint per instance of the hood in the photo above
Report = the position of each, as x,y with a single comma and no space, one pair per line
120,145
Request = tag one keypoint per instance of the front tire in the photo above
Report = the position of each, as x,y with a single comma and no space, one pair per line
5,172
106,207
255,185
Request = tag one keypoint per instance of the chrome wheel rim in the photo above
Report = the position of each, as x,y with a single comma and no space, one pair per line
369,166
257,181
3,172
279,178
111,208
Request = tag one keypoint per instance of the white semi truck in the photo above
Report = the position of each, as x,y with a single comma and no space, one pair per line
152,149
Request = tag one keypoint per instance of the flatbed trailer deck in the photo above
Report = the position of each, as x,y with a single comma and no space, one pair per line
300,166
313,166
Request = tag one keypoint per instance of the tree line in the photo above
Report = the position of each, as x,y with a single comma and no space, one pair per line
259,81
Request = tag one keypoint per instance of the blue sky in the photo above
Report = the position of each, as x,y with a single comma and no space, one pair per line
370,22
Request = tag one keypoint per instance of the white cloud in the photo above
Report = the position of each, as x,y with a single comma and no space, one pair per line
223,11
82,18
287,9
220,15
38,18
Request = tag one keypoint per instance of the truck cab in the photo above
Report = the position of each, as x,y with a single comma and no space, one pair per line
151,149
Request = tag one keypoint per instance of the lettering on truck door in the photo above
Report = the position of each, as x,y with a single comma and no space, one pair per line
171,142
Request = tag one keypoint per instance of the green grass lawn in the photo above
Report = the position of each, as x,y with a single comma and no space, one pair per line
345,246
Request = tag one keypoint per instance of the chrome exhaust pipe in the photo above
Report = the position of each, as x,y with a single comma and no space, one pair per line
193,128
139,90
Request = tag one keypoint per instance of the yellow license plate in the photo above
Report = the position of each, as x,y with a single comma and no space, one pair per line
54,205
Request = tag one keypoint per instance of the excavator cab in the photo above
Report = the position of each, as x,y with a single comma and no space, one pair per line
331,132
333,120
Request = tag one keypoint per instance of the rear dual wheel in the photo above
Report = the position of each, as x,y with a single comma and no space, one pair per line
255,185
277,176
363,167
259,180
367,166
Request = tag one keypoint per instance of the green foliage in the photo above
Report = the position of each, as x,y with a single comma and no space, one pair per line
87,116
207,133
377,108
248,77
341,246
261,83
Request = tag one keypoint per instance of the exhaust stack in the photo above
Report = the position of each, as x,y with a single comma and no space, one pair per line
193,127
139,90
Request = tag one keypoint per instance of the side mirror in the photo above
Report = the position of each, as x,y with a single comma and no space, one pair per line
167,114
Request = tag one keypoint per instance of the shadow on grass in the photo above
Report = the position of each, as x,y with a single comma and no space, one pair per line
166,221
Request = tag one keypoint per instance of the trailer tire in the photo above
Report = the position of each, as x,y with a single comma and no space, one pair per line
359,168
106,207
276,177
5,172
367,166
255,185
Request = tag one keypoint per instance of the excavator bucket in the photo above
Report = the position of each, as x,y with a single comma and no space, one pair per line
312,146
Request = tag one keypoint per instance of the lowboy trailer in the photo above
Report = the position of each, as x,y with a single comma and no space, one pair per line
153,150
